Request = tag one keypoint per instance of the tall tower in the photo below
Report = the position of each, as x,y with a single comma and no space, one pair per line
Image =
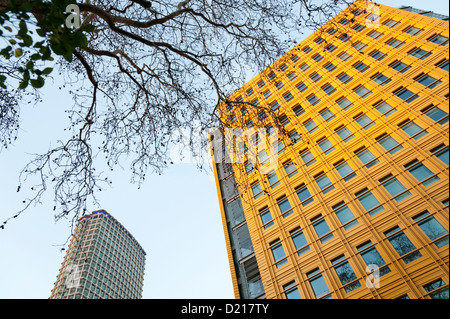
357,205
103,261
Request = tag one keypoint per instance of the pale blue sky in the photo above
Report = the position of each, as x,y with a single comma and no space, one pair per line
175,217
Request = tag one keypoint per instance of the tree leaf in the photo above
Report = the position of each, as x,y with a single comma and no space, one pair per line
18,52
47,71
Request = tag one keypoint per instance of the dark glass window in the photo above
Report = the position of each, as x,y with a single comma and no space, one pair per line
432,228
345,215
395,188
322,230
345,274
402,245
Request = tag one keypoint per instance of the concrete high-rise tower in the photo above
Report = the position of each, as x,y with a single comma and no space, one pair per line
103,261
357,202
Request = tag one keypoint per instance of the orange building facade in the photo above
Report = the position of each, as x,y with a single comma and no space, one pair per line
357,206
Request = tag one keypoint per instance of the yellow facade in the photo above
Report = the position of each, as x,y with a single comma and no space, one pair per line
366,177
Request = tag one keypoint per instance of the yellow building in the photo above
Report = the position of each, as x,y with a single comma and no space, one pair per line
358,204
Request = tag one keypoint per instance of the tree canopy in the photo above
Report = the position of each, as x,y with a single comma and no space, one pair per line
142,69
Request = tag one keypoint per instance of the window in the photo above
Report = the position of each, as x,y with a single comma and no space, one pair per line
413,30
328,89
419,53
266,217
291,76
344,103
299,240
315,76
344,38
307,49
427,81
329,67
313,99
294,136
384,108
344,56
291,291
324,183
250,91
400,66
360,66
377,55
438,39
432,228
301,87
278,253
395,43
391,23
366,157
317,57
344,21
345,274
262,115
358,27
344,77
272,75
327,115
389,144
325,145
412,129
435,291
274,105
363,120
375,34
322,230
261,83
421,173
290,168
331,31
402,245
249,168
288,96
369,202
263,157
360,46
244,111
307,157
362,91
405,94
295,58
344,170
345,215
318,284
319,40
310,126
304,67
284,120
298,110
304,195
267,94
283,67
344,133
285,206
257,190
395,188
441,152
371,256
330,47
274,181
436,114
279,85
